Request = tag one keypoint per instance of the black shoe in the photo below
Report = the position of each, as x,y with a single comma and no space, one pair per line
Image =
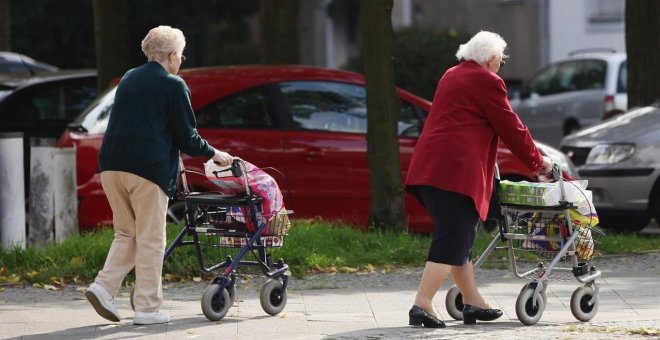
418,316
471,314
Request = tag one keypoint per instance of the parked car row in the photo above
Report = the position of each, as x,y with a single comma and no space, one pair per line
310,124
621,160
572,94
307,122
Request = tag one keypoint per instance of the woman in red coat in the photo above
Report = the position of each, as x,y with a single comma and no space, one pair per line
452,168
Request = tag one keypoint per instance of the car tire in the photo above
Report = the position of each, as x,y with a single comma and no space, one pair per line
571,126
176,212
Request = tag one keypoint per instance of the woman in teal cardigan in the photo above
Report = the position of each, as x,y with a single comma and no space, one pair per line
150,123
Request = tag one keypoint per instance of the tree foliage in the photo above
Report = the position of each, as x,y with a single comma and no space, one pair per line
642,45
5,42
62,32
421,57
278,21
112,40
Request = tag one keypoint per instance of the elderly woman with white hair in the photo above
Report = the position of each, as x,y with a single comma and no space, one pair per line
452,169
150,123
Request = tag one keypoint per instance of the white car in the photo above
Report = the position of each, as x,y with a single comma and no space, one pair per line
621,160
572,94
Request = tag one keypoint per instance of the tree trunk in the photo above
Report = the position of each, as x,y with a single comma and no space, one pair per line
387,203
113,56
642,45
278,21
5,36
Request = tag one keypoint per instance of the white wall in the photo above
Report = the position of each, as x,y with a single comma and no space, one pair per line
570,28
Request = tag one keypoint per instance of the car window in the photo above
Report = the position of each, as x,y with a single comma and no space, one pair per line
95,118
562,77
594,74
251,109
338,107
53,101
622,82
541,83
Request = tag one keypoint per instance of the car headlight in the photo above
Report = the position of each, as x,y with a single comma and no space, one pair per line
610,153
560,159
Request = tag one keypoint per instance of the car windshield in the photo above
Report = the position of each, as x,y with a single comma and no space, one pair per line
95,118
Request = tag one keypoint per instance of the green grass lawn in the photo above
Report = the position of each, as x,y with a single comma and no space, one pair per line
311,246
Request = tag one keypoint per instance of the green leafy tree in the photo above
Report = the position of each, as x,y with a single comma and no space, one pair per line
421,57
278,21
112,40
642,45
387,202
5,37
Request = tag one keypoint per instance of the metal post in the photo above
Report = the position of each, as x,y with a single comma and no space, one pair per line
12,190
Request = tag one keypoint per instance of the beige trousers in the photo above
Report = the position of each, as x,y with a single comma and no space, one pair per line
139,208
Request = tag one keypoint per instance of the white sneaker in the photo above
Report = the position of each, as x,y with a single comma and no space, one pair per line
143,318
103,302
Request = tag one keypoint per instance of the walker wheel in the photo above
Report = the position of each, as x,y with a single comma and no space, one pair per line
532,285
527,313
454,303
215,305
273,296
580,303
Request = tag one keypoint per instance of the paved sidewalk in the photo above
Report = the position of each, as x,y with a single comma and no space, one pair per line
350,306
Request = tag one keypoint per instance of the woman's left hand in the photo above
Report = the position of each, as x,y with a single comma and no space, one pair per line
546,167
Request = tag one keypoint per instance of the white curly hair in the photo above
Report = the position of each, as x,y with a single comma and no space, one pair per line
482,47
161,41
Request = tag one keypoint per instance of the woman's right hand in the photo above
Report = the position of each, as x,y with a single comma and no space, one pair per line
546,167
222,158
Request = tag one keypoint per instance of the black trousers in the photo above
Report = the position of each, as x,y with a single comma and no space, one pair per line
456,220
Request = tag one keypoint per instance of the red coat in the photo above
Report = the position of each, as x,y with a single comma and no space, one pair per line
457,148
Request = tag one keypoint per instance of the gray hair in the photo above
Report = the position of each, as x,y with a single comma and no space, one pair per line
483,46
161,41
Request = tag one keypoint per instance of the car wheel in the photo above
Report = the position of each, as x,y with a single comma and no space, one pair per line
570,127
176,212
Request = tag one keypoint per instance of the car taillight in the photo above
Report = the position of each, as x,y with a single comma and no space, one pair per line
609,103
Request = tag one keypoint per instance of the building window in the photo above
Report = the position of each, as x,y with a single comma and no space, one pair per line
605,14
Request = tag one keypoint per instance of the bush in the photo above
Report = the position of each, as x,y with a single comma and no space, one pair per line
421,56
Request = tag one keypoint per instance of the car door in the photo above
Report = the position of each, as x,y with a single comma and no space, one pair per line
325,148
245,125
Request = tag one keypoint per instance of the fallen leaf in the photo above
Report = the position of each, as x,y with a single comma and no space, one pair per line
50,287
197,279
37,285
77,262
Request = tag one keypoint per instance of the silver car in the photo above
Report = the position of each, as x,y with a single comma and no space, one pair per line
620,158
572,94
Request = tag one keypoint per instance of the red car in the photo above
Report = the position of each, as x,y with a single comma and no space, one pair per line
307,122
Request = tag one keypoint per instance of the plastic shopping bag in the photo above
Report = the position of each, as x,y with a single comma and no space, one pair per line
260,183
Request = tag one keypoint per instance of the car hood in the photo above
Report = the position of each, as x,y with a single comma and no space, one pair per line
624,128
